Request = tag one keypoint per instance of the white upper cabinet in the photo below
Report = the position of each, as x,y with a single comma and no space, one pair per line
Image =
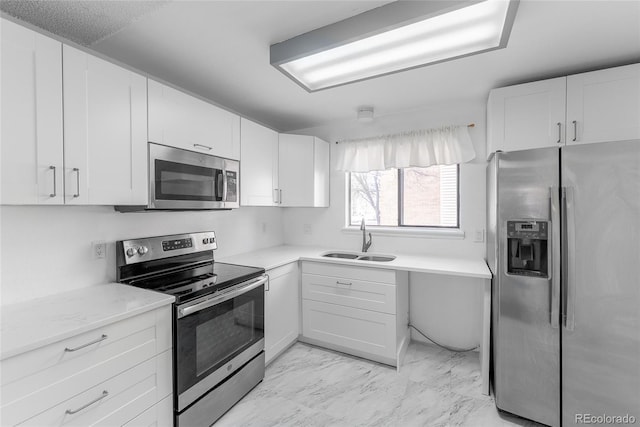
31,91
282,170
296,170
598,106
259,165
303,171
604,105
525,116
183,121
105,133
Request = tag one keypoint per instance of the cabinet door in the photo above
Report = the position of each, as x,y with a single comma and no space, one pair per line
296,170
604,105
258,165
31,150
353,330
180,120
282,305
105,140
526,116
225,128
320,173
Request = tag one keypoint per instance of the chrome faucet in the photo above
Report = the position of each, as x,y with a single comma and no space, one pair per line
365,244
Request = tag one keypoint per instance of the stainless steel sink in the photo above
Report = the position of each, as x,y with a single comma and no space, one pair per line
377,258
340,255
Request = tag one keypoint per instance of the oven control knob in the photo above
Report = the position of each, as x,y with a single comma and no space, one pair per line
142,250
130,252
205,241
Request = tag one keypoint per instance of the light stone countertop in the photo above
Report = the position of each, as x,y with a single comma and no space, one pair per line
277,256
32,324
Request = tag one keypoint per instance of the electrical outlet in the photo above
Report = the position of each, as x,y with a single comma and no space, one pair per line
306,229
99,249
478,236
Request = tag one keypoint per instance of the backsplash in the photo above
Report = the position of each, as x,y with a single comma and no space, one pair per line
48,249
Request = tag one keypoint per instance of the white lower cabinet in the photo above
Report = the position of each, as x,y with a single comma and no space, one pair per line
108,376
282,315
159,415
357,310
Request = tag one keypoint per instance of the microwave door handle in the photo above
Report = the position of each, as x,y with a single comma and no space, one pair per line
230,294
219,186
224,186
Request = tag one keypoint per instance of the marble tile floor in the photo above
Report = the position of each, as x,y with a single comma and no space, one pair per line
311,386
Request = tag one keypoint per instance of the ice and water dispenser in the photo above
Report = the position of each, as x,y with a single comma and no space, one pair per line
527,248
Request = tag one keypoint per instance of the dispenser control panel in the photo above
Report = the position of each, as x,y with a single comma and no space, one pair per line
528,229
527,248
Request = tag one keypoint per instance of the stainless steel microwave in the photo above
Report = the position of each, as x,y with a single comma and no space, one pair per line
187,180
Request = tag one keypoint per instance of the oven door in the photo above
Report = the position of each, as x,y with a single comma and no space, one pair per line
181,179
215,336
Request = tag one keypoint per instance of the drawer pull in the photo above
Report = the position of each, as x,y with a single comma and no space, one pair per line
96,341
343,283
104,394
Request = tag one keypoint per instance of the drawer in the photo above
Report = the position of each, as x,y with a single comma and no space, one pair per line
350,292
54,355
159,415
125,397
56,375
350,272
350,328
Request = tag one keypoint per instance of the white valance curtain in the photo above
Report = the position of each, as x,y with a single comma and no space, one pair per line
444,146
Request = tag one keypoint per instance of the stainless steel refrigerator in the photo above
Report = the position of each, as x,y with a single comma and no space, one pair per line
564,249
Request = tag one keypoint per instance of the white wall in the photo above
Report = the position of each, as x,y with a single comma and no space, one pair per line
47,249
446,308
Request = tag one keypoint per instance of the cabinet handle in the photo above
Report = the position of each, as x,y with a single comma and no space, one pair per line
275,196
559,133
53,168
104,394
77,171
280,198
268,283
96,341
343,283
206,147
575,130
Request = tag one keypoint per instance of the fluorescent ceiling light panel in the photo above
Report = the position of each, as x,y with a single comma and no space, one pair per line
469,28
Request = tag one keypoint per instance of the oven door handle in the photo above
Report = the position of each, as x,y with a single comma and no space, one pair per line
227,295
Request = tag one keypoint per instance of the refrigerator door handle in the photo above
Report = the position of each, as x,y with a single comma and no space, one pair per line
554,257
568,257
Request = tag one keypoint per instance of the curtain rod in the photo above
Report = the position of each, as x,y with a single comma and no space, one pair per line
470,125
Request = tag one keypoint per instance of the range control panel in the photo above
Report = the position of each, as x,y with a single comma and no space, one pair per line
139,250
172,245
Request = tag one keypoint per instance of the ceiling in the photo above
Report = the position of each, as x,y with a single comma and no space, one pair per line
220,50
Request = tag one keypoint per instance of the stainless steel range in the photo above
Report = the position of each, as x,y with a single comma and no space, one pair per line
218,321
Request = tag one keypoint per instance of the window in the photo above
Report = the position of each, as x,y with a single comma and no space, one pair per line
409,197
